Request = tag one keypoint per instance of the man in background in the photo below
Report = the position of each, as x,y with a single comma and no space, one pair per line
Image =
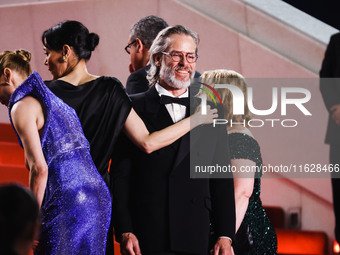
330,90
142,34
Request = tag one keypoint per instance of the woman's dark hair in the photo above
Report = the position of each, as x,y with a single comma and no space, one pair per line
72,33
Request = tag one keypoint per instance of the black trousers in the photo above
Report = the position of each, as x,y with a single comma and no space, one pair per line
109,241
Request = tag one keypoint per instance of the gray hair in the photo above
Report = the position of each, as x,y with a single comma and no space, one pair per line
161,43
146,29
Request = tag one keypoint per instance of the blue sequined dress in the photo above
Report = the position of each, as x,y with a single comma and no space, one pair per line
256,223
76,208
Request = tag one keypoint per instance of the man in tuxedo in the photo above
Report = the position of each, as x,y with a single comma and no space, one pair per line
330,89
157,207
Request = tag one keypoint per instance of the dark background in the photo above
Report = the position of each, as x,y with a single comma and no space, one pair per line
327,11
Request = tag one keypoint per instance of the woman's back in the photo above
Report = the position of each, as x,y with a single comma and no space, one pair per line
102,107
76,208
255,227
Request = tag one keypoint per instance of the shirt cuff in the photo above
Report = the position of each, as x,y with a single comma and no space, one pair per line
231,241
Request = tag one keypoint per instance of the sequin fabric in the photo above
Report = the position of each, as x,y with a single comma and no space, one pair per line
76,209
242,146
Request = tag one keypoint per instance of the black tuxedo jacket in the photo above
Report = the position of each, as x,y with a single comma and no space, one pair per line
155,198
138,83
330,88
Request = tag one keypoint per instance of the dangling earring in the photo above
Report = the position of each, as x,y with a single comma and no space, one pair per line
64,59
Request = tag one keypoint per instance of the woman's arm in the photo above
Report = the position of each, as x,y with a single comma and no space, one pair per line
244,184
137,132
28,118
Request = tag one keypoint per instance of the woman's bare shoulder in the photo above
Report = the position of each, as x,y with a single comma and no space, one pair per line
240,129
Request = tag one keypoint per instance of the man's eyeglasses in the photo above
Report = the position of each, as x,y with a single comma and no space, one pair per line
128,47
177,56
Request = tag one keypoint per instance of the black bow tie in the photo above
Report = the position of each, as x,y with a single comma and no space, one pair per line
175,100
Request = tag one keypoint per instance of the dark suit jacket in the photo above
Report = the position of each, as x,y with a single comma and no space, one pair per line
330,88
138,83
155,198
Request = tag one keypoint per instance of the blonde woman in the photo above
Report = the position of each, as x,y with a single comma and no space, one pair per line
254,232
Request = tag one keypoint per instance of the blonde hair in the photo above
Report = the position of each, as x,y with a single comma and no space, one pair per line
223,76
18,60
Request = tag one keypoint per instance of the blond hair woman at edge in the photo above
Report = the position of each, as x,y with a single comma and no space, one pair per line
254,232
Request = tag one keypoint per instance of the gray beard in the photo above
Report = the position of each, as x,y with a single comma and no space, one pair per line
168,76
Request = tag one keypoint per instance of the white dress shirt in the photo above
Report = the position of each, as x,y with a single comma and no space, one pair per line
176,111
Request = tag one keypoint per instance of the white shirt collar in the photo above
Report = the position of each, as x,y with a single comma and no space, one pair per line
176,111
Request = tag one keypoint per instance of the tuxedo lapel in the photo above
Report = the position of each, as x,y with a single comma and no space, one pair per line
157,114
184,146
159,118
183,149
194,103
193,137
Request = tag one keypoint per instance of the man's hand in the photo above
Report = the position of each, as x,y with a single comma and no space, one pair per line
223,247
129,245
336,113
199,119
35,245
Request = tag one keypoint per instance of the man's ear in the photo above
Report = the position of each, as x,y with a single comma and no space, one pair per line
158,59
140,46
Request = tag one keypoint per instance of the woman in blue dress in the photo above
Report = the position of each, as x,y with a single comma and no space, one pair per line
74,200
254,233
